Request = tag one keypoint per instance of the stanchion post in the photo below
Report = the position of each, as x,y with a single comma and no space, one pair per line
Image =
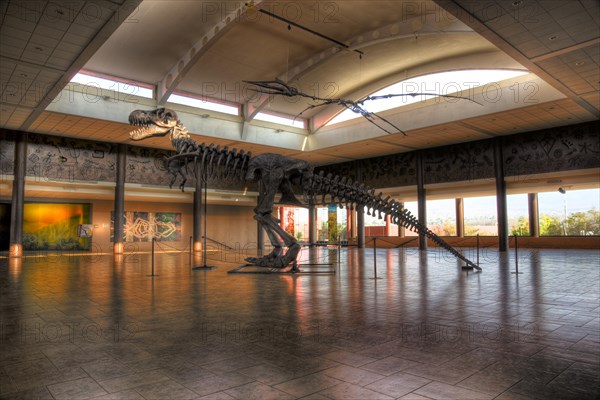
516,257
478,249
339,251
375,257
152,256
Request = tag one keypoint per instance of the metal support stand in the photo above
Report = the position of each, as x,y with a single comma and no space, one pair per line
516,258
375,259
204,266
339,252
478,249
470,267
152,256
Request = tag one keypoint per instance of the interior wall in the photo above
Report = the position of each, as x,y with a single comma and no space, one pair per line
227,224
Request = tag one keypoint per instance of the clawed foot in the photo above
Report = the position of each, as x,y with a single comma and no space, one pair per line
277,260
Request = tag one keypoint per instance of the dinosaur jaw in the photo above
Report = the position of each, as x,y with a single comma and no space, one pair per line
157,122
148,131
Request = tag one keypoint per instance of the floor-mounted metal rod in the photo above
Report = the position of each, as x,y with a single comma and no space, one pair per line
287,21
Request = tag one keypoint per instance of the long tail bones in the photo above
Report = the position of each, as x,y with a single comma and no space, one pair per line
276,174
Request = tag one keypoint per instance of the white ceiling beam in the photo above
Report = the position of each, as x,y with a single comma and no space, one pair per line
178,72
417,26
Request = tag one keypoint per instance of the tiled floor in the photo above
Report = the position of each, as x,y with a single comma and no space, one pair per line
88,327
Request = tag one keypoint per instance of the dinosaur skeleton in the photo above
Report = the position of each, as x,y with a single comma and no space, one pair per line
275,174
279,87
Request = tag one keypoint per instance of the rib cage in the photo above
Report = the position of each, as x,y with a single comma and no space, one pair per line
212,159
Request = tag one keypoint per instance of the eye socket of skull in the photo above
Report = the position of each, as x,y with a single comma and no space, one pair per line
165,115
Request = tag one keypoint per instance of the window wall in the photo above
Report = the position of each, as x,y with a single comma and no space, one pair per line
569,212
517,210
441,217
480,216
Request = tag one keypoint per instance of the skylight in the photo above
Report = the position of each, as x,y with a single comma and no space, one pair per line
442,83
203,104
131,88
295,122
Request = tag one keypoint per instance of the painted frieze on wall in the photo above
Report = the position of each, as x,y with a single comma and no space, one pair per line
558,149
465,162
68,159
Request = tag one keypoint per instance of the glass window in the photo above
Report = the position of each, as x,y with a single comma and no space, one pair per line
569,212
441,216
413,208
277,119
431,85
126,87
204,104
480,216
517,214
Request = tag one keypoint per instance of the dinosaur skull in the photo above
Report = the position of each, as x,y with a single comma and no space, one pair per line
157,122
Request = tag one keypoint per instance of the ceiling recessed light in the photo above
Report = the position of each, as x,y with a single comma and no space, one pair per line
517,3
38,48
579,63
553,37
23,75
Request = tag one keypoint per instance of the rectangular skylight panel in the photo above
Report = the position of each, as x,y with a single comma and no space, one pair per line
203,104
131,88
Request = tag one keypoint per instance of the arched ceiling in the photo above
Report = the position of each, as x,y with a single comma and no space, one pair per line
208,48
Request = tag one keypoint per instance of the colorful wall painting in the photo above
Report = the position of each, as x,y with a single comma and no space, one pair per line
142,226
54,226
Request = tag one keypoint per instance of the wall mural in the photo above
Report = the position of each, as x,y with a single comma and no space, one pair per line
548,150
50,226
551,150
147,166
67,159
142,226
7,153
462,162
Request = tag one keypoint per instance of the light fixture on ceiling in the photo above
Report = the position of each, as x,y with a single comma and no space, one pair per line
517,3
38,48
579,63
278,130
562,190
553,37
204,116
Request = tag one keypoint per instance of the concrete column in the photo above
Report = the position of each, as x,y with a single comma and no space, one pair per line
460,217
349,222
119,221
388,226
534,214
18,197
197,211
421,200
501,196
360,226
312,224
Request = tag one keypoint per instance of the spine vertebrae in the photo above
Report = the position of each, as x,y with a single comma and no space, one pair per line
212,159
